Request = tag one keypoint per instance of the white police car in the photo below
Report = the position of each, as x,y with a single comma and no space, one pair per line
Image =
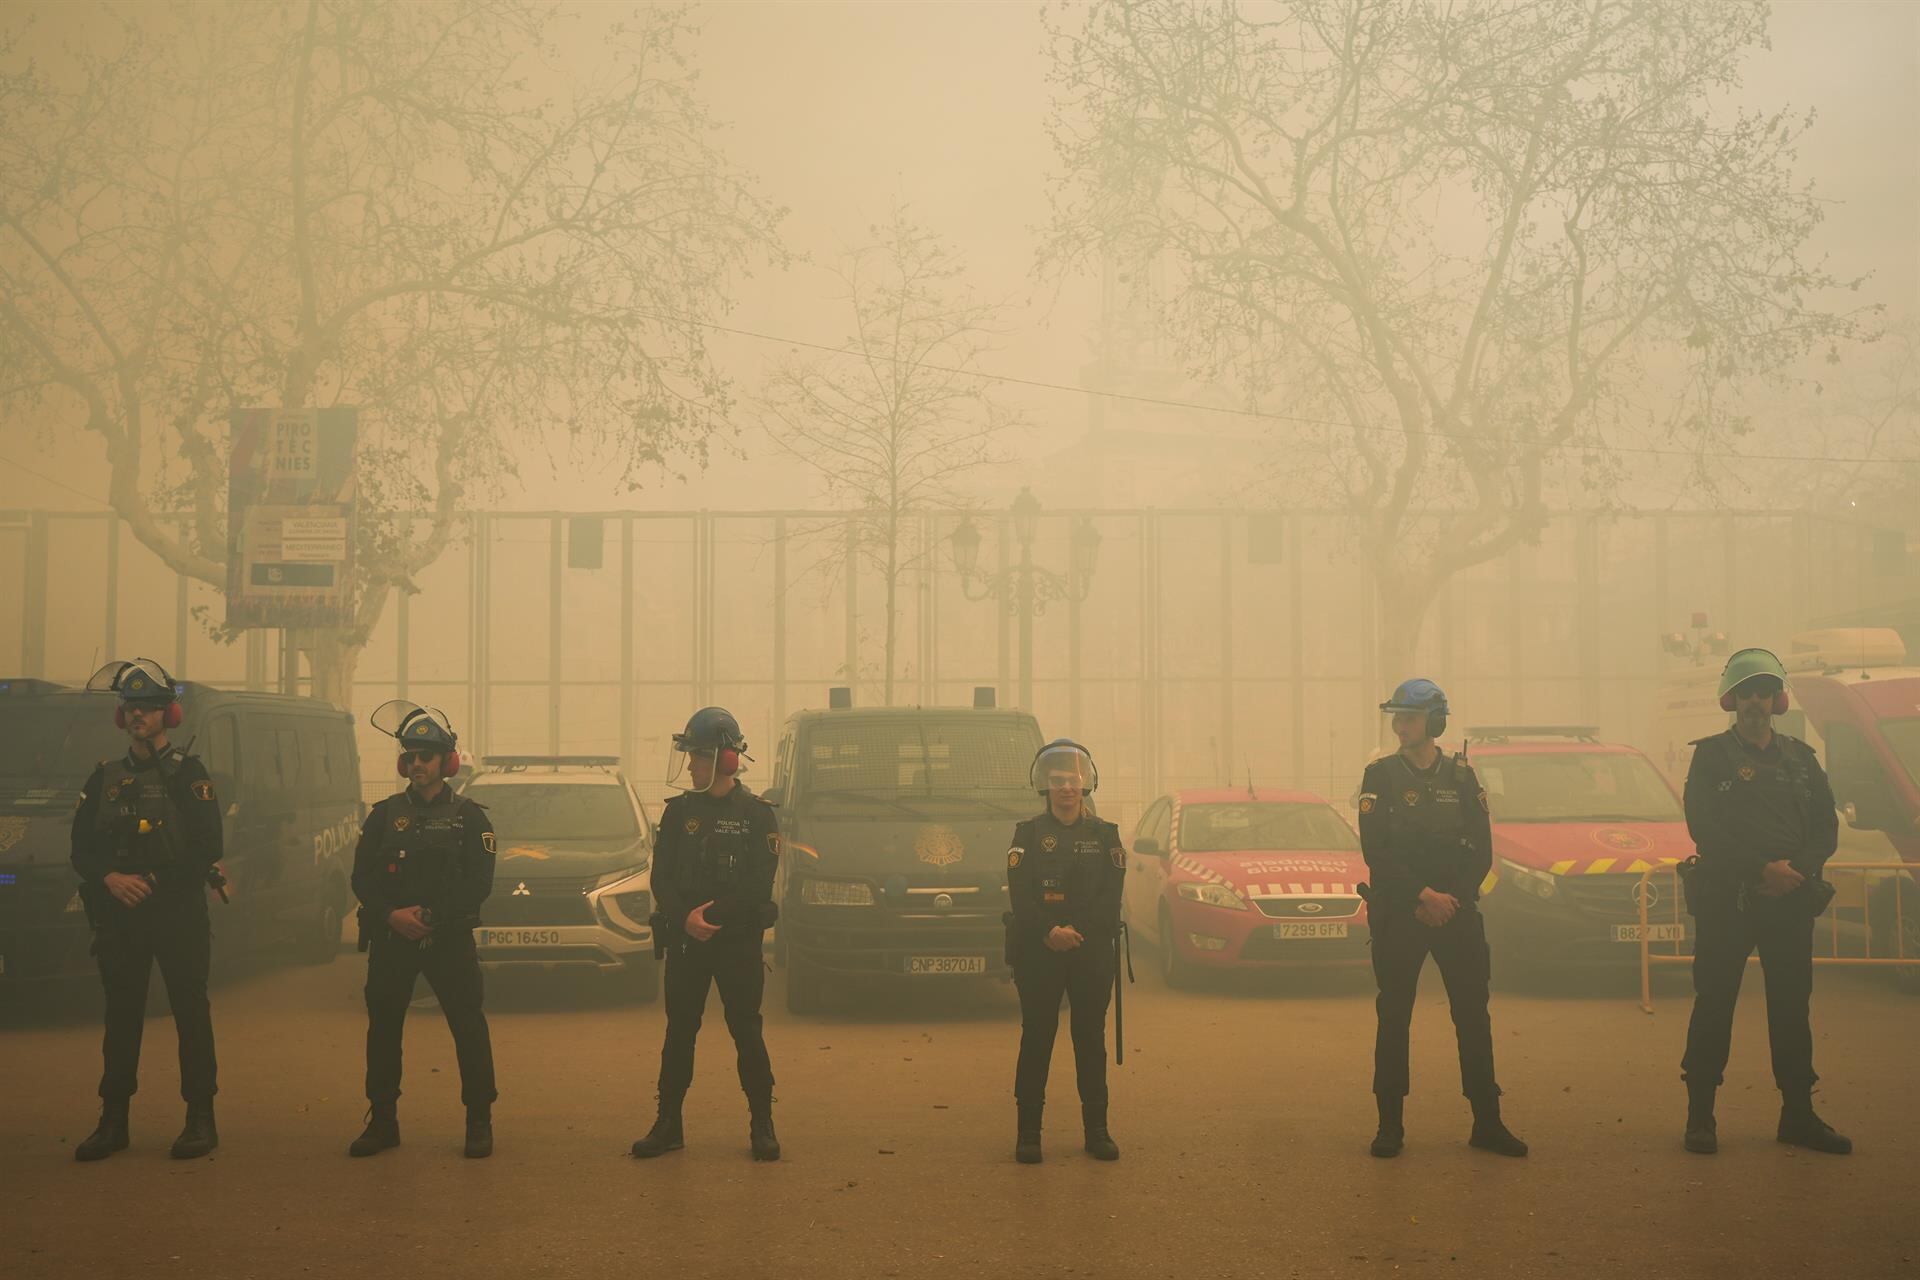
572,888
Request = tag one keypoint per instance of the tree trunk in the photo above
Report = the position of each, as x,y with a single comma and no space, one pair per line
332,658
1403,604
893,592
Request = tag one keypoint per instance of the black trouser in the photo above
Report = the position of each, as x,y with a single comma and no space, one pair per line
1400,946
1085,976
171,928
452,968
734,965
1724,937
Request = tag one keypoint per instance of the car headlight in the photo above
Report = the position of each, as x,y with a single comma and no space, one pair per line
1214,895
623,900
816,892
1541,884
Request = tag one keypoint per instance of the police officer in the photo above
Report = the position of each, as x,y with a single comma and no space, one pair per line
1762,818
146,842
1427,839
713,868
1065,872
422,868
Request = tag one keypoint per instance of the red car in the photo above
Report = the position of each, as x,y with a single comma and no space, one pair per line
1246,879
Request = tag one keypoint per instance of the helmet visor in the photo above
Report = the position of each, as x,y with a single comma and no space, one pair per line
137,680
1064,767
413,725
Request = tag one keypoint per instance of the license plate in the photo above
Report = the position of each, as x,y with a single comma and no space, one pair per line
517,937
1654,932
946,964
1310,929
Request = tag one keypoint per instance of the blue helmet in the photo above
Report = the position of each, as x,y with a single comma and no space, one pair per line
711,729
1421,695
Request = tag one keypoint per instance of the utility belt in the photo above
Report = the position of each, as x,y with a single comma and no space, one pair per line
666,932
1703,887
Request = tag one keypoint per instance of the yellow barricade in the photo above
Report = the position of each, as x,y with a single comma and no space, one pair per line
1856,882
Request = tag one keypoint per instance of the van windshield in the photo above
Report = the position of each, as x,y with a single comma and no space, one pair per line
911,763
1576,786
58,743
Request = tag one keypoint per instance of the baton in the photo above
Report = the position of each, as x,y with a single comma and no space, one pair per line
1122,946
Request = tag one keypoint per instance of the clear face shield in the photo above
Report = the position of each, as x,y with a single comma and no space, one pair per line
700,769
1064,773
142,678
419,730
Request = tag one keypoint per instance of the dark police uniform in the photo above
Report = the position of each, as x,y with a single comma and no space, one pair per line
1427,829
1746,807
723,850
1064,874
156,816
437,854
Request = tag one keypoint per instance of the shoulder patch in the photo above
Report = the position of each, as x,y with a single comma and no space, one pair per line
1368,801
773,843
203,790
1119,856
1014,855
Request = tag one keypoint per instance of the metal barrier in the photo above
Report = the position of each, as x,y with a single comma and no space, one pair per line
1890,877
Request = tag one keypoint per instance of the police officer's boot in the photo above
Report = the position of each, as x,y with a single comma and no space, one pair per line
1489,1134
382,1131
760,1130
1100,1144
1800,1127
1703,1135
479,1133
109,1136
199,1137
665,1135
1392,1134
1026,1147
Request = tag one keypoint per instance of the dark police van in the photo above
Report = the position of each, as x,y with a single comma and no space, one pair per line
895,822
288,777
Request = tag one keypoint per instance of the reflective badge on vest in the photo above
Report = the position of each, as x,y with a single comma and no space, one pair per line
1409,797
1746,773
1047,844
402,822
691,826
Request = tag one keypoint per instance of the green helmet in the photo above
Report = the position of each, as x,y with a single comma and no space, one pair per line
1745,665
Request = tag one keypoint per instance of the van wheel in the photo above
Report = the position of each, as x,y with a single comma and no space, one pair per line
321,941
1175,970
803,989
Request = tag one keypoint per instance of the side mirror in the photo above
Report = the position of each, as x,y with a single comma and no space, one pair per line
1147,846
774,795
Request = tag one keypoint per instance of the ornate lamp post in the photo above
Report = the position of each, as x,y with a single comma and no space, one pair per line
1024,587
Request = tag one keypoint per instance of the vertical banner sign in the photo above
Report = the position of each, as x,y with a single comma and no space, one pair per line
290,510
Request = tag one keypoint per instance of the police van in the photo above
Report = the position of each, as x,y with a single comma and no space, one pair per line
895,822
288,777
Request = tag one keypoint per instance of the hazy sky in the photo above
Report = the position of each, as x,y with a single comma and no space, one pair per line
842,108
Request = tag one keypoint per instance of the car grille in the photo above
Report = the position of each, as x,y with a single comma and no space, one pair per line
1341,908
550,902
1610,897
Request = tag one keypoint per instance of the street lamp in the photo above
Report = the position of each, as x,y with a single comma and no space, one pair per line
1026,588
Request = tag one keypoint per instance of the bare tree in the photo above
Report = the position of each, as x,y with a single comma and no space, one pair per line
1467,239
416,209
891,425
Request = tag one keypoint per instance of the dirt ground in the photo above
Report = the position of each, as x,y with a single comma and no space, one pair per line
1243,1112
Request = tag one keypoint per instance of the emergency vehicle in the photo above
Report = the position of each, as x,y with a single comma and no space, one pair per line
1252,878
1576,823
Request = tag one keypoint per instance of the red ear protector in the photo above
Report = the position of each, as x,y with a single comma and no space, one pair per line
726,762
1779,701
171,720
447,770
